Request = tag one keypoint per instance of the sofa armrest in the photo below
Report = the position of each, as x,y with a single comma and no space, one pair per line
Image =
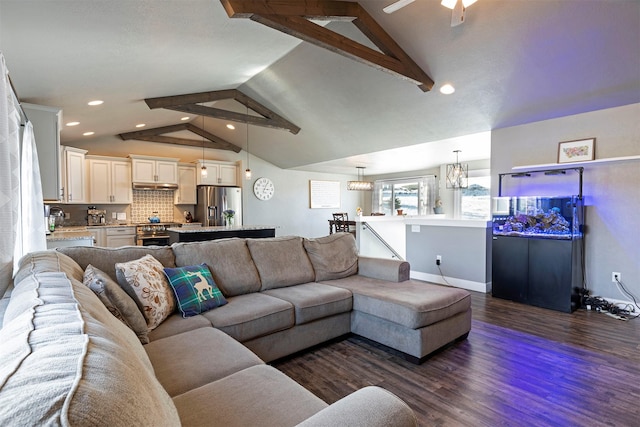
368,407
392,270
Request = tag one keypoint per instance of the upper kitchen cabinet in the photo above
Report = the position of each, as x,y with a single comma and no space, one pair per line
109,180
218,173
47,122
186,194
154,170
75,183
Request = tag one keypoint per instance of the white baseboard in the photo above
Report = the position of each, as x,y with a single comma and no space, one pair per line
451,281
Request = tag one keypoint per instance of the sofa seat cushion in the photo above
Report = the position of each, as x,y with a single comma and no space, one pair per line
250,316
257,396
176,324
95,371
281,261
229,261
195,358
334,256
410,303
313,301
105,259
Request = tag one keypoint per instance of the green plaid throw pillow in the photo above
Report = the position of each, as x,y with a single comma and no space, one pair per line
195,289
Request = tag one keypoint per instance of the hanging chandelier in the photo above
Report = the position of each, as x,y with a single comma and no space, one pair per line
360,184
457,174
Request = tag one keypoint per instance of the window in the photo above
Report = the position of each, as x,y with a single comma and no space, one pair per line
475,200
414,196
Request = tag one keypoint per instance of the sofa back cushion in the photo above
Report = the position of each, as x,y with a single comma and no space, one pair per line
228,260
105,259
281,261
334,256
67,361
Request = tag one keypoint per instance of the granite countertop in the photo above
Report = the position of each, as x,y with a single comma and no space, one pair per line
220,228
70,233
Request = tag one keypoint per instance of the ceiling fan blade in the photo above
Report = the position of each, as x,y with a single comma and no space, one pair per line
397,5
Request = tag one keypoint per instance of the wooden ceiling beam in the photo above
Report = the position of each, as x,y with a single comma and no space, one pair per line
292,17
191,103
156,135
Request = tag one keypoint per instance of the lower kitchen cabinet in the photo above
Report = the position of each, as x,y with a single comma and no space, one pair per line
120,236
541,272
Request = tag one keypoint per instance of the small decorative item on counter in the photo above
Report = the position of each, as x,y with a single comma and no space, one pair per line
438,208
52,223
359,211
400,211
228,216
187,216
154,218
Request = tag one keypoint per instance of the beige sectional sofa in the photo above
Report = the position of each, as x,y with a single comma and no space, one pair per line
67,360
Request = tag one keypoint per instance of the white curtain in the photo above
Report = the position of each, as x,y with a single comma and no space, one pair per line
21,218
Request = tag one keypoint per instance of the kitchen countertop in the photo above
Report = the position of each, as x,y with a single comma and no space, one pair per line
220,228
70,233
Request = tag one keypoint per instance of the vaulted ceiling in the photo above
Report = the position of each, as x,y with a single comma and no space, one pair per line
512,62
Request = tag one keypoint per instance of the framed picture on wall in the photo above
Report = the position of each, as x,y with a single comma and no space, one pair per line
324,194
580,150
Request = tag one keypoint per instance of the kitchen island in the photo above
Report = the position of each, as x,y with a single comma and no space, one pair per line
199,234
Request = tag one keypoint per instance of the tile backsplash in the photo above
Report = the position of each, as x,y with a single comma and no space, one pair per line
146,202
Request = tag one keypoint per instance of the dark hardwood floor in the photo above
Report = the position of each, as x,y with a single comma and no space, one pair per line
520,366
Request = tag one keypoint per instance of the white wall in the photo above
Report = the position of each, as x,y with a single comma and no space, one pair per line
289,207
612,190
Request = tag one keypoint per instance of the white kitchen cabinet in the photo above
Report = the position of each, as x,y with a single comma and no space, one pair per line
47,122
218,173
152,170
75,180
109,180
99,236
120,236
186,194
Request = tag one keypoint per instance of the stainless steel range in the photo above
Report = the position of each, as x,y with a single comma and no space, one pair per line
154,234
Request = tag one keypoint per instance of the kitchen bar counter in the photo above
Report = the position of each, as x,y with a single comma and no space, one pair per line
72,236
199,234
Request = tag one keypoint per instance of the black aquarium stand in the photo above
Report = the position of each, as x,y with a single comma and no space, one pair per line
542,272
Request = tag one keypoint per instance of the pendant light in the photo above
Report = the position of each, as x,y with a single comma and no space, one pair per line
247,172
360,184
457,174
203,169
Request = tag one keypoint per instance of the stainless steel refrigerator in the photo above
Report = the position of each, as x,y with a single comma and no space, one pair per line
213,201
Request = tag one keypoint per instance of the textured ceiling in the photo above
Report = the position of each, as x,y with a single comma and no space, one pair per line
512,62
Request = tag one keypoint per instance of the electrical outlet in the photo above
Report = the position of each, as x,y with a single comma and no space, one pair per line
615,275
438,259
114,215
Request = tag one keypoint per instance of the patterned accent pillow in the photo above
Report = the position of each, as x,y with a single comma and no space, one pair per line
195,289
144,280
116,300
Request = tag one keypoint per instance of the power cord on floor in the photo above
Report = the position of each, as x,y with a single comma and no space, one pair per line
618,311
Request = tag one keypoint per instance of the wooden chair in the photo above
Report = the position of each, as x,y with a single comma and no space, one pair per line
340,222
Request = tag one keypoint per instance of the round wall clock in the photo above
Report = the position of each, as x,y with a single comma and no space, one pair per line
263,188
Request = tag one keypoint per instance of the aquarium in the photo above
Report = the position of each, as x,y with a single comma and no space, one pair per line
541,217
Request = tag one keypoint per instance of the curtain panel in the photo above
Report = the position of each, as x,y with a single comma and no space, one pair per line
21,205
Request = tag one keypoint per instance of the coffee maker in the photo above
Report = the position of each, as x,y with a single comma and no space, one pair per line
96,216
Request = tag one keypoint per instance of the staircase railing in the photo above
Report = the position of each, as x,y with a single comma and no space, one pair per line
366,226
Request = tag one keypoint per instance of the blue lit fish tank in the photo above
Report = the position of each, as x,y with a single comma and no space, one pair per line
558,217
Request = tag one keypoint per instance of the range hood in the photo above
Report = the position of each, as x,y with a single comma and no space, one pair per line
154,186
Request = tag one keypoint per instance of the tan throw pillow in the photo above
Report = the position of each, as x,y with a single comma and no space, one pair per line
117,301
144,280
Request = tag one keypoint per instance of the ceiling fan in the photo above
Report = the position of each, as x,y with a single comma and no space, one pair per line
458,8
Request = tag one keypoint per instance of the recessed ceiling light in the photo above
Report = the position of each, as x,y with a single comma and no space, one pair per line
88,133
447,89
185,118
140,125
73,123
230,126
96,102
